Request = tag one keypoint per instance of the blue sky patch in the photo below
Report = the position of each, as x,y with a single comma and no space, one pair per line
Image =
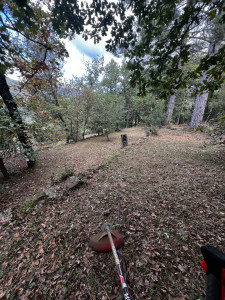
88,48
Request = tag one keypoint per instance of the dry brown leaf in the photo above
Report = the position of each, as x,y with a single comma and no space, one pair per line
9,282
35,262
74,296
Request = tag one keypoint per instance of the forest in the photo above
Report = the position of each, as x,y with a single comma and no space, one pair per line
164,89
171,70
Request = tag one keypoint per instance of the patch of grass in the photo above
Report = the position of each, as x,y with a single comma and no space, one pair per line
4,186
151,292
65,174
27,206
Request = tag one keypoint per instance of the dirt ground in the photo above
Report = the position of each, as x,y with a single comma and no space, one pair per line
167,194
56,159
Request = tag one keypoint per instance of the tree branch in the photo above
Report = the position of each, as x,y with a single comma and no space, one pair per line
13,28
199,38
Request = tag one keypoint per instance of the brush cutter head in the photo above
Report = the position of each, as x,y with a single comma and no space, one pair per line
100,241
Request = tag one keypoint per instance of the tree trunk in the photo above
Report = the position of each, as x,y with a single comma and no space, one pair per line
171,103
170,107
3,169
107,135
202,97
127,119
200,105
136,119
77,128
16,117
84,129
127,106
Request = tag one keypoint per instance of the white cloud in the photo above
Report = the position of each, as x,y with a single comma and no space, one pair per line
88,47
73,65
80,50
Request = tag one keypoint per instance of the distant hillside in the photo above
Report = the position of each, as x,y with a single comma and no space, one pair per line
13,85
12,82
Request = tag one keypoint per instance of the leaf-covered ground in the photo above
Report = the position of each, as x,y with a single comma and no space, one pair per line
55,160
167,194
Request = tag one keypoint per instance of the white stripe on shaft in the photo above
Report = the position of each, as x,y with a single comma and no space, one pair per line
116,258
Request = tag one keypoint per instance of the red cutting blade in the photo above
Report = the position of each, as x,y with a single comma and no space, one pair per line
100,241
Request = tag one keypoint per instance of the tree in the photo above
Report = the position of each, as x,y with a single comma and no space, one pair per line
43,86
149,109
184,106
156,38
107,113
16,117
76,101
13,19
111,78
15,22
7,144
94,69
88,102
116,82
128,92
216,38
216,105
23,25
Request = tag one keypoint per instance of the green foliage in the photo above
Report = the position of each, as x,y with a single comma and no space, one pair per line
153,37
4,186
216,105
93,71
107,104
151,110
68,17
184,106
15,16
151,130
218,133
204,127
9,144
215,115
44,133
76,102
65,174
107,113
111,79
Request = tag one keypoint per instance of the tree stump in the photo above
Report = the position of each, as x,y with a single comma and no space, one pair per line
124,140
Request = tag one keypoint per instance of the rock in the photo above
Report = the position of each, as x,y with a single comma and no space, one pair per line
55,192
51,193
71,183
5,216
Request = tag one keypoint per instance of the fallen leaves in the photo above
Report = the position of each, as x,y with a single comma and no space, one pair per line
182,268
35,262
9,282
167,209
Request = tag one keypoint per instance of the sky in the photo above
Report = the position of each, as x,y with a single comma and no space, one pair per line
80,50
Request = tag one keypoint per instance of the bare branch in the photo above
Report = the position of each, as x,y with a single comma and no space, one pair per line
199,38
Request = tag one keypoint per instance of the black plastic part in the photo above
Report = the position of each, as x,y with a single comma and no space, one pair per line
213,288
215,260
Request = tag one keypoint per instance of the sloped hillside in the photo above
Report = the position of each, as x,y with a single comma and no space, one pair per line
167,194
